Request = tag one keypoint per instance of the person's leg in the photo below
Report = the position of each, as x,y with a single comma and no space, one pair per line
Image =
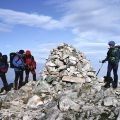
34,75
27,76
115,69
21,79
16,80
5,83
109,69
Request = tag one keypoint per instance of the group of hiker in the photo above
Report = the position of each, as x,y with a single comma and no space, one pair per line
113,57
20,61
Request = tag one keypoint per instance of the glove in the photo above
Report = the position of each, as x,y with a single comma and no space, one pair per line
103,61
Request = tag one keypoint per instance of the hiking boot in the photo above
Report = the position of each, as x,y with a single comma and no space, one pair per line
114,86
107,86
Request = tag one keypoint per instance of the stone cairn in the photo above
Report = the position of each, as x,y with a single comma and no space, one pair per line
67,90
67,64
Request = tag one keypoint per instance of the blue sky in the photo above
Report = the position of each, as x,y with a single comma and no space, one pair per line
40,25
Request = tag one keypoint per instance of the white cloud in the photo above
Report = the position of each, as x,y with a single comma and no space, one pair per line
93,18
33,20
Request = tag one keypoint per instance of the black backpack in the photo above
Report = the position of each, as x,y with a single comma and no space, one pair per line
118,46
5,61
12,55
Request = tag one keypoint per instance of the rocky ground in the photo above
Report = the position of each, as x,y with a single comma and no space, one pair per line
68,89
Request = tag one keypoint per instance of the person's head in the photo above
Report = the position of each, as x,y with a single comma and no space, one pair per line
28,53
111,43
21,52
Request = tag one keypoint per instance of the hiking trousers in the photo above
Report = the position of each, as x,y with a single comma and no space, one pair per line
4,80
113,67
18,79
27,71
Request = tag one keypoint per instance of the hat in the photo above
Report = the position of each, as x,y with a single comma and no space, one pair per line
28,52
21,51
111,43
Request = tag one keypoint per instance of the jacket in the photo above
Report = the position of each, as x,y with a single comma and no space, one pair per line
18,62
113,55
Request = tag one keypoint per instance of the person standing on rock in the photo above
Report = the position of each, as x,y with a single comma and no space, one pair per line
113,61
19,64
30,66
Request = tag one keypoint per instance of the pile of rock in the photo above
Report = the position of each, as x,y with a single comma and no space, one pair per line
68,90
68,64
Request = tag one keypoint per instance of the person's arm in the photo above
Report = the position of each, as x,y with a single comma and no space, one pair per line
15,61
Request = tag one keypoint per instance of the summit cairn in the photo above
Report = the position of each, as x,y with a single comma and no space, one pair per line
65,63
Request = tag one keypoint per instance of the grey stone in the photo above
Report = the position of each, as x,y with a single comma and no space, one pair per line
66,104
110,101
73,79
34,102
42,87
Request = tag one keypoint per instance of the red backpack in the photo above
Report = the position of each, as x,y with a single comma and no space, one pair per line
30,62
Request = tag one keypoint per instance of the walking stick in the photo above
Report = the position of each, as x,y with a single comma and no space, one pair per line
99,69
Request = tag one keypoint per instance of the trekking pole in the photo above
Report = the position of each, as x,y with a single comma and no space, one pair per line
99,69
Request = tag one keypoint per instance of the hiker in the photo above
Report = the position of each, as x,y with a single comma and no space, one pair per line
3,70
30,66
19,67
113,61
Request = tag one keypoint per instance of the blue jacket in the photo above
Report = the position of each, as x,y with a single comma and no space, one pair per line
18,62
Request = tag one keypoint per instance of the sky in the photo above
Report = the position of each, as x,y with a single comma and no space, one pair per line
41,25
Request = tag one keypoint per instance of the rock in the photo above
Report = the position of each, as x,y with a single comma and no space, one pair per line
50,79
88,79
110,101
42,87
50,64
73,79
62,68
34,102
58,62
26,117
90,74
66,104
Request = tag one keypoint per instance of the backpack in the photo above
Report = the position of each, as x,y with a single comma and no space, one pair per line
113,55
118,46
30,62
12,55
5,62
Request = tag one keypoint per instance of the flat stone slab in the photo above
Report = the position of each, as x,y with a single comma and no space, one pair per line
73,79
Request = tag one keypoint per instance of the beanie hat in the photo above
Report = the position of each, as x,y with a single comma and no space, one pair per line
21,51
111,43
28,52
